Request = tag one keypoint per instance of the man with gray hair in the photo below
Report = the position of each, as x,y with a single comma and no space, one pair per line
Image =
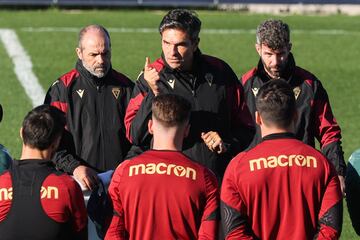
94,97
315,117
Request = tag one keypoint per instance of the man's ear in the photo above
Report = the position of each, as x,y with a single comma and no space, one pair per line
258,118
196,44
79,53
20,132
258,48
150,126
290,46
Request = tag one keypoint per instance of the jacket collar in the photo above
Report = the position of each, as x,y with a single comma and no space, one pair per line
87,75
33,163
279,136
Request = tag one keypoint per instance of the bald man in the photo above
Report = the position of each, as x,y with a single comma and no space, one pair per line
94,98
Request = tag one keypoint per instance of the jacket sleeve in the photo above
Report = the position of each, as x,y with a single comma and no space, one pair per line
210,219
138,112
331,211
116,230
327,131
232,208
65,158
242,124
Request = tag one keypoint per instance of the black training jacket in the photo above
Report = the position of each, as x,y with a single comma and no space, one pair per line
95,110
315,118
217,105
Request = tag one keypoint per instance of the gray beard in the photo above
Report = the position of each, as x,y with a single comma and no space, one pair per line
94,73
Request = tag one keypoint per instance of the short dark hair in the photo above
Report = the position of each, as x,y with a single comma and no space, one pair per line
184,20
275,34
275,103
171,110
94,26
42,126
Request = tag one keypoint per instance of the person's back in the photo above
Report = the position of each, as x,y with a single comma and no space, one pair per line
36,201
162,194
283,182
282,188
40,200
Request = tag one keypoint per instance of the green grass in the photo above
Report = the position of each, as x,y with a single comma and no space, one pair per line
334,59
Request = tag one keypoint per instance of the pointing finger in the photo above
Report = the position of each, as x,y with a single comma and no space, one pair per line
147,62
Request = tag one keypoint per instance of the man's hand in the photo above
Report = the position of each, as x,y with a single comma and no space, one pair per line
342,185
152,77
86,176
214,142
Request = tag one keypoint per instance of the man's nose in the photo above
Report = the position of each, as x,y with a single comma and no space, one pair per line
100,59
173,50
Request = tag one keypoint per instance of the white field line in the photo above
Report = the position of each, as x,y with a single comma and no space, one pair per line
206,31
22,66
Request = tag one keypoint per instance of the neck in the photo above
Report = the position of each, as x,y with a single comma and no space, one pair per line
272,130
168,141
33,153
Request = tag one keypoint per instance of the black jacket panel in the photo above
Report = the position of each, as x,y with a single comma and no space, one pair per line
95,110
217,105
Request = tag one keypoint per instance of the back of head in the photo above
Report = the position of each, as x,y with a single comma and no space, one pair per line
171,110
184,20
276,104
42,127
275,34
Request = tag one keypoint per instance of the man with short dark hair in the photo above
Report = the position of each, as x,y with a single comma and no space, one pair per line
281,188
315,118
36,201
162,194
94,98
221,124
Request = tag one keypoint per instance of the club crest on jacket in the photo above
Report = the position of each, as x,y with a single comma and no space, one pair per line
116,92
297,91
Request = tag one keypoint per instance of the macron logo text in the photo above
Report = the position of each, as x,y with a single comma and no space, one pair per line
162,168
283,161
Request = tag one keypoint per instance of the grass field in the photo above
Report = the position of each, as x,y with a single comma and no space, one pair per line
325,45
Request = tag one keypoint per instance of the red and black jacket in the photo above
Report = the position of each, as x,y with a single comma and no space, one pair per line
217,105
95,110
315,117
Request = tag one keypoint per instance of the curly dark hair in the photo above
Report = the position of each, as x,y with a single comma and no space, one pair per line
184,20
273,33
